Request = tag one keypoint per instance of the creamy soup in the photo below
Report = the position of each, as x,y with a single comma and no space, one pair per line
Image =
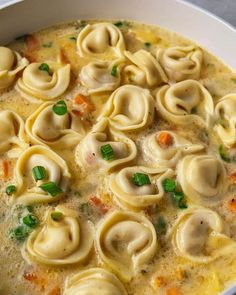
117,162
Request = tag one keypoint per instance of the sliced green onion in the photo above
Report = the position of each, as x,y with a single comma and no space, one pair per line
60,108
47,45
51,188
114,71
169,185
85,208
178,200
21,38
78,194
147,45
82,24
223,154
119,24
45,67
73,38
160,226
56,215
10,189
20,232
39,173
107,152
140,179
30,220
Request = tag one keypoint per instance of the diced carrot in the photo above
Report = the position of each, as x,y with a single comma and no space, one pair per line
181,274
95,201
32,43
55,291
33,278
160,281
165,139
173,291
233,177
232,205
30,276
5,168
82,105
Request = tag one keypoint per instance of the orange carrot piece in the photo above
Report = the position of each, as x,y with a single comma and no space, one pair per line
160,281
5,168
32,43
233,177
165,139
232,205
55,291
30,276
173,291
95,201
82,105
181,274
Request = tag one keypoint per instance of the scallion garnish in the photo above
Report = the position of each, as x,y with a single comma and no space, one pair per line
60,108
107,152
56,215
160,226
223,154
52,188
39,173
73,38
10,189
147,45
119,24
114,71
45,67
47,45
20,232
169,185
140,179
30,220
178,199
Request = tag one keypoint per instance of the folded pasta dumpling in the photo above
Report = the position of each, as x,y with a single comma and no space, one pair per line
181,62
64,238
44,81
145,71
168,155
44,126
225,111
185,102
125,241
134,195
99,39
92,281
12,134
198,235
11,63
105,148
202,178
50,187
129,108
100,77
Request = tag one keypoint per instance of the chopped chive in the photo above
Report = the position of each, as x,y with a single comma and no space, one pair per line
78,194
21,38
20,232
178,199
83,24
169,185
140,179
52,188
73,38
56,215
30,220
47,45
85,208
107,152
160,226
223,154
114,71
119,24
45,67
60,108
39,173
147,45
10,189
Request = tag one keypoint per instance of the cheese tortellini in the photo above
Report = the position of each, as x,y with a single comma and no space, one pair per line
12,135
45,81
88,152
44,126
146,70
97,76
225,111
11,63
102,38
168,156
198,235
125,241
181,62
94,281
129,108
28,190
65,240
202,178
185,102
135,197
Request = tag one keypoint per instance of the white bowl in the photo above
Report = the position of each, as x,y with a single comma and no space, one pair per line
176,15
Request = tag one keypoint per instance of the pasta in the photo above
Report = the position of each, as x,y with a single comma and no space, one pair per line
125,241
129,108
93,280
185,102
40,83
181,62
64,241
198,235
202,178
136,197
11,63
88,153
28,190
44,126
